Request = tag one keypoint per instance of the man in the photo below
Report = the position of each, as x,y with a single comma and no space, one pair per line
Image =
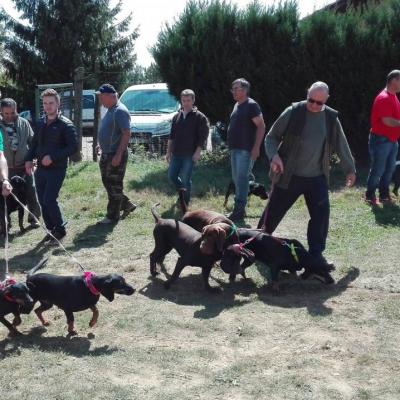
114,135
189,132
299,146
383,146
53,142
17,136
245,133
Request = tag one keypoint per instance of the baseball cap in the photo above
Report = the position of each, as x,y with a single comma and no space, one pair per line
106,88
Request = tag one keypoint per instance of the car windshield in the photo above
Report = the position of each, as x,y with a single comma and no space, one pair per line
152,100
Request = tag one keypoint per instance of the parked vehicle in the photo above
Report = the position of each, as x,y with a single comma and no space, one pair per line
152,108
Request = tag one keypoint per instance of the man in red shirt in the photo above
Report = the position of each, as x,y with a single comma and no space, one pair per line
382,145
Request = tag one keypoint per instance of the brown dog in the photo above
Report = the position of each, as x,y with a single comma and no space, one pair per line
215,228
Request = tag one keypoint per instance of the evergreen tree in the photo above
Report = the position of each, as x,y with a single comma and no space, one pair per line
54,37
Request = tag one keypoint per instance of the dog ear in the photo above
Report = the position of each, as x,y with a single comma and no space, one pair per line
107,290
221,237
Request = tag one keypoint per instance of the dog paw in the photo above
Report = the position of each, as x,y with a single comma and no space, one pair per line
72,333
92,323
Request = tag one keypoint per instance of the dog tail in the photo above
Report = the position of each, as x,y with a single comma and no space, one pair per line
182,202
38,266
153,211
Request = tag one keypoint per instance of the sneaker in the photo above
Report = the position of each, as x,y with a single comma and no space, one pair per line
106,221
372,201
128,209
34,224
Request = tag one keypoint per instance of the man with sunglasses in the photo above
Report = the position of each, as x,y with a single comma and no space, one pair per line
299,146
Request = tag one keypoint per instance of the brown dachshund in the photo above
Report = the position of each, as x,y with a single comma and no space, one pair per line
215,228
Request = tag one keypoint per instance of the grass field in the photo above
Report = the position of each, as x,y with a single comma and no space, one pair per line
310,342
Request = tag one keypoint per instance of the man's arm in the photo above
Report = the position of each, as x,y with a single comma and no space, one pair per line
259,123
274,138
346,158
202,135
392,122
6,186
123,145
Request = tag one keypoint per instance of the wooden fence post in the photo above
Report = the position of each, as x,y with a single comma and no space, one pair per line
78,89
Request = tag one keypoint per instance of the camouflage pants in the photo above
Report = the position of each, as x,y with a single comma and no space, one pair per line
113,178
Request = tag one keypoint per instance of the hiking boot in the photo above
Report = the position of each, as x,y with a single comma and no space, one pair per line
237,215
107,221
128,209
371,200
58,234
321,260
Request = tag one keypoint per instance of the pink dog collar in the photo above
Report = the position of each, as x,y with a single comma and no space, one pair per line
87,276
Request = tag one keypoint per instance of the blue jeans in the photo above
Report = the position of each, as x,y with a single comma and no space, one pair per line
48,185
241,166
383,154
180,174
315,192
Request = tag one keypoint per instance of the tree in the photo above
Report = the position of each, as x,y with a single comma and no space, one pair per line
54,37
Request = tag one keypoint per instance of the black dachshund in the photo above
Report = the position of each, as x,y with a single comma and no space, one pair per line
19,189
73,293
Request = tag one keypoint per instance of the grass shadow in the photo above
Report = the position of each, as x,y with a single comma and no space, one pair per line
92,236
26,261
388,215
189,291
309,294
75,346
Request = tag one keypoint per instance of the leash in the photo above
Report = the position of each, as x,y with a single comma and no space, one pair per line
47,232
6,272
274,180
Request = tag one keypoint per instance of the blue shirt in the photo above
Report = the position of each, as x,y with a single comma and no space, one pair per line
116,119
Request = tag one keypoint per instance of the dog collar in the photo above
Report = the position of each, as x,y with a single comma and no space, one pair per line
233,230
87,276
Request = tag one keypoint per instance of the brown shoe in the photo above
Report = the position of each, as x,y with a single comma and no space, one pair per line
127,210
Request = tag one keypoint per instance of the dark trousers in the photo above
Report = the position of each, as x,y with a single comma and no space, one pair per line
48,185
315,192
113,181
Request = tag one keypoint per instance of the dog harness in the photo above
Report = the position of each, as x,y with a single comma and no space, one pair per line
87,277
233,230
237,248
4,285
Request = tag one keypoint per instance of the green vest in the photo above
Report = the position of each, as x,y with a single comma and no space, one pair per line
290,141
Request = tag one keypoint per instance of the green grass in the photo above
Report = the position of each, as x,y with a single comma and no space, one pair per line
310,342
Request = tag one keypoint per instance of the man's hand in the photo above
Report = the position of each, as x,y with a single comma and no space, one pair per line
196,155
116,160
168,157
255,153
97,149
277,164
350,179
46,161
29,167
6,188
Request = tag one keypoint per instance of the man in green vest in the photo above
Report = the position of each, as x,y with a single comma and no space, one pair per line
299,147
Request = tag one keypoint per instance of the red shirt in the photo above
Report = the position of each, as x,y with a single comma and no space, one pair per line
385,105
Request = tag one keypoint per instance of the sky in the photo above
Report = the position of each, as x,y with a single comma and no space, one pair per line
151,15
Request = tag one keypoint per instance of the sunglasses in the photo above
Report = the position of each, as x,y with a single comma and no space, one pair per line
318,103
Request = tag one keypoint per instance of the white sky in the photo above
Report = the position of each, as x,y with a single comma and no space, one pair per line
151,15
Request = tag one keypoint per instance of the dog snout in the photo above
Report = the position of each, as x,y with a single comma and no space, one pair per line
127,290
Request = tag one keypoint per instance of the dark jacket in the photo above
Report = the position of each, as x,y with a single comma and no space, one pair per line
188,133
58,140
